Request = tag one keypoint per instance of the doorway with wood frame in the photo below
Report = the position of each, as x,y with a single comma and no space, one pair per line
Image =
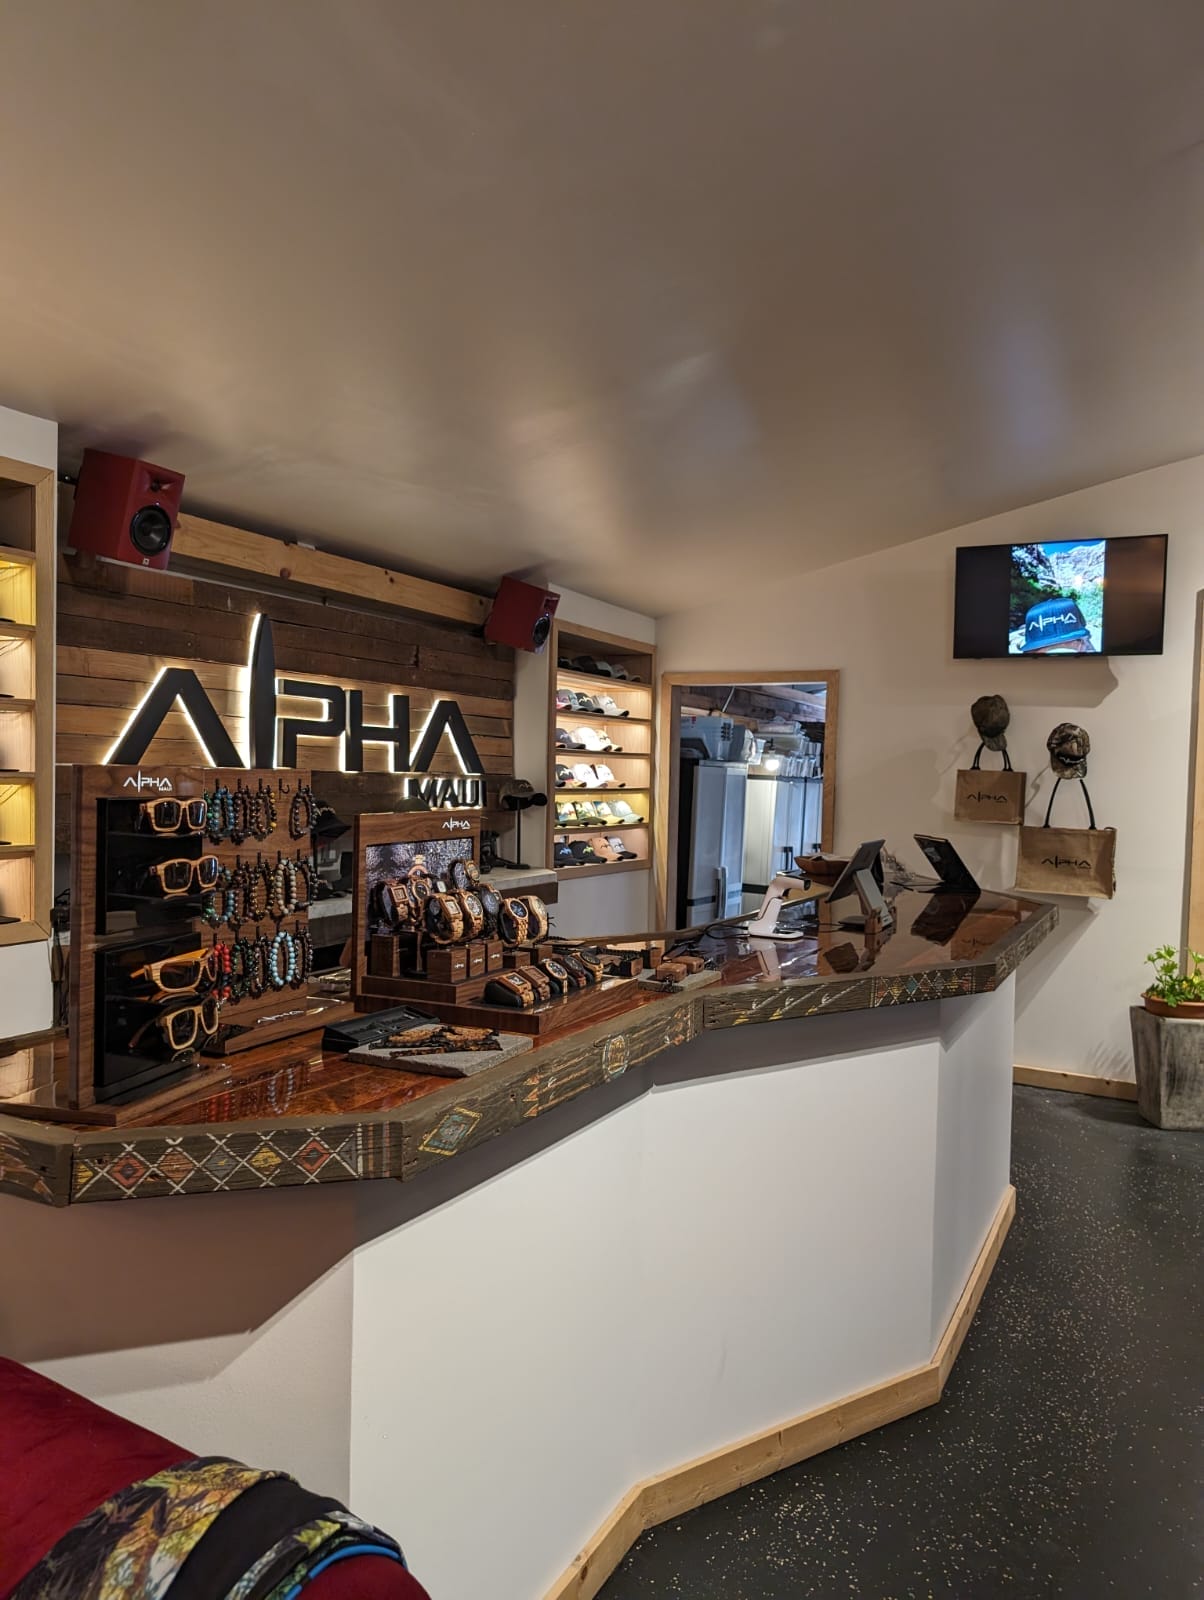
748,782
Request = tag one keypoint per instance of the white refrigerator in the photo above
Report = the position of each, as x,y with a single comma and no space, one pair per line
783,817
711,848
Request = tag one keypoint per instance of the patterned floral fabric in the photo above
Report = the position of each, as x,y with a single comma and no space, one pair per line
134,1546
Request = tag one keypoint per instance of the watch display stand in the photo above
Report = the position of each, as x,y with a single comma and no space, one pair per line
449,980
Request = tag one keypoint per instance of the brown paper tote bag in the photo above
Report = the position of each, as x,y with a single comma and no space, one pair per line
989,796
1078,861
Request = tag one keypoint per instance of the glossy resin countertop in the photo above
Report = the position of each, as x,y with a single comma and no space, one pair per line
294,1114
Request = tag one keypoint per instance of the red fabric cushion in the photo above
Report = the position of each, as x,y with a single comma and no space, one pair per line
365,1578
61,1456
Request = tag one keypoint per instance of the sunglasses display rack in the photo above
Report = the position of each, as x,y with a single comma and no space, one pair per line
601,736
431,931
189,925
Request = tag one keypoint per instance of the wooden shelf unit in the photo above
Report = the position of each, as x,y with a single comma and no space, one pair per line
633,765
27,567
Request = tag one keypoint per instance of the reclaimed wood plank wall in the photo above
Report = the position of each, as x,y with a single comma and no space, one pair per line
117,626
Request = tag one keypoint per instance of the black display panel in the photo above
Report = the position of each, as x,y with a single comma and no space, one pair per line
1061,597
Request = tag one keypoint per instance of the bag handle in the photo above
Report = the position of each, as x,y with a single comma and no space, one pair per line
1086,796
975,764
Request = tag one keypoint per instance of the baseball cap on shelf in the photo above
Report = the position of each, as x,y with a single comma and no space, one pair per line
586,776
584,854
565,778
564,742
563,856
564,700
608,707
591,739
622,853
606,777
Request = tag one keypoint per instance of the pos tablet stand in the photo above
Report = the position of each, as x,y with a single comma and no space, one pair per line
863,877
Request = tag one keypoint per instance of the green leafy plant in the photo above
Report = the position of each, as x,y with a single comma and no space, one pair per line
1174,980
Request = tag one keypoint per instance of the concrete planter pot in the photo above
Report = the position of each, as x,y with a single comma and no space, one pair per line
1168,1058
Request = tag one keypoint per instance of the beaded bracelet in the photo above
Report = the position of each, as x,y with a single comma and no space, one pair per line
242,963
240,822
276,977
259,891
219,813
304,947
307,876
224,961
282,897
258,981
262,812
302,811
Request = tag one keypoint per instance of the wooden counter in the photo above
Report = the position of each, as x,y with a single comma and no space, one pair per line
292,1114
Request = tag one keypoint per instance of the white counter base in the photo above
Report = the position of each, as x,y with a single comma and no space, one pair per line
716,1257
489,1361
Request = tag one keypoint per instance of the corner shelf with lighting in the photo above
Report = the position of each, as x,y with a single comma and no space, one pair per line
633,765
27,555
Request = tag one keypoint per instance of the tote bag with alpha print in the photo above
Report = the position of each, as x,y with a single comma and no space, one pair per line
984,796
1078,861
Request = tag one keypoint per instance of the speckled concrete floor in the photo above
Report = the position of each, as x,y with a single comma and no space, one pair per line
1067,1456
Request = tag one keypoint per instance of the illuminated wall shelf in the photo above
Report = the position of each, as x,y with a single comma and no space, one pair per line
27,557
635,732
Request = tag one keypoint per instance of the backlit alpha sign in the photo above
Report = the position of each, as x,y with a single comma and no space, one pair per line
272,739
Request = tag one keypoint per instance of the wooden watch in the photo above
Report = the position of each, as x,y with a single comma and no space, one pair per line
474,913
444,918
537,912
510,989
512,921
538,980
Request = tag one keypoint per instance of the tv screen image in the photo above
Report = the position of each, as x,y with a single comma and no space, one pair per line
1065,597
1056,600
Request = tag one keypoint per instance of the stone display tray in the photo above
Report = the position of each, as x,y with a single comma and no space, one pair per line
455,1064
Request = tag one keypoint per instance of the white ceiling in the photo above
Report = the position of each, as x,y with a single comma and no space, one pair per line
630,294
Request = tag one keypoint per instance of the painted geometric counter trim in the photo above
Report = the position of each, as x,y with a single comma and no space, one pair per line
733,1008
451,1131
19,1176
142,1166
901,991
591,1062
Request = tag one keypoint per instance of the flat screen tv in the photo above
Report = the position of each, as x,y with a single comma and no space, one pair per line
1097,597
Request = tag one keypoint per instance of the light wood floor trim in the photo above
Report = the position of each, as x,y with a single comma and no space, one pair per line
671,1493
1075,1082
963,1313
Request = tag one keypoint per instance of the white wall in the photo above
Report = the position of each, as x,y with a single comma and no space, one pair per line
222,1322
904,729
34,440
26,991
596,904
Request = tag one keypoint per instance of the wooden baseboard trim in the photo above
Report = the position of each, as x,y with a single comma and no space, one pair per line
1075,1082
708,1477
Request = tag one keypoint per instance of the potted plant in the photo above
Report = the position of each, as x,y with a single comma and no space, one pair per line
1177,990
1168,1041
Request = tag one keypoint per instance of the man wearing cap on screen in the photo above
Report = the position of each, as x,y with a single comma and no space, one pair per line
1056,627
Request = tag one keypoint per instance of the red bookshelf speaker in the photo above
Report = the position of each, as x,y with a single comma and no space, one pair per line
522,615
125,510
